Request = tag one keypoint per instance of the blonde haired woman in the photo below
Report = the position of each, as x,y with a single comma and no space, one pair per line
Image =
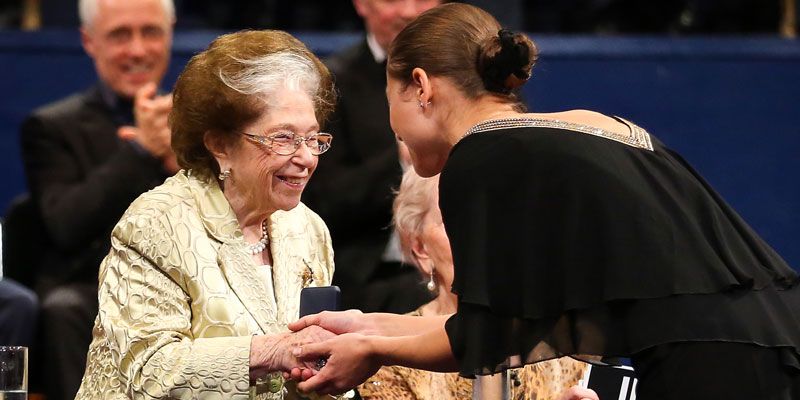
423,239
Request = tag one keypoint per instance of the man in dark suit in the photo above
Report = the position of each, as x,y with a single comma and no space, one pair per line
86,158
352,189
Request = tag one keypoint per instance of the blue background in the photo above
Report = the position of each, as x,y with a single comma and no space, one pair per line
731,106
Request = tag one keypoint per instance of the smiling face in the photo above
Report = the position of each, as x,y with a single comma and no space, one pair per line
262,181
129,41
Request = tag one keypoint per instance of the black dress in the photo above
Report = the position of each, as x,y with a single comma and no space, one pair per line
570,240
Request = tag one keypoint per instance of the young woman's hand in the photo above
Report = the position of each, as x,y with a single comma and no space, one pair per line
349,362
338,322
578,393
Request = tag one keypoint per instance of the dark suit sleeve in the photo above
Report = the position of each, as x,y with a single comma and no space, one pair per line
349,190
352,188
80,202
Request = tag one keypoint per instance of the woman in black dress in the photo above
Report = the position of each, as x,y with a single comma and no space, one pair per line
573,233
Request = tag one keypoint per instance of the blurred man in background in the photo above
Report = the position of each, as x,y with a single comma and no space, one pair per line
86,158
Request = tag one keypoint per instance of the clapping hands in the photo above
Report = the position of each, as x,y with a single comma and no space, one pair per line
151,130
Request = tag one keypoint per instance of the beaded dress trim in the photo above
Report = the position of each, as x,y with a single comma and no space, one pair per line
638,137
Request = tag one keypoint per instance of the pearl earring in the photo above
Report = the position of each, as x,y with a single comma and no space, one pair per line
431,283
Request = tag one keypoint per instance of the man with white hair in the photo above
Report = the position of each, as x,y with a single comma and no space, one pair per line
86,158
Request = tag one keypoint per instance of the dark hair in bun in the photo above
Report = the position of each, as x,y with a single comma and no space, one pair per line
465,44
506,60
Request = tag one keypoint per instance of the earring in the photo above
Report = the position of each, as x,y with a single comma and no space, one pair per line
423,105
224,174
431,283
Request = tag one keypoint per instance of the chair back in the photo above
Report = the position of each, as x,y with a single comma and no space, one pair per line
24,241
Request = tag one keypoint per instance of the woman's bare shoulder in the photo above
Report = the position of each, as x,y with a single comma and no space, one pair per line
588,118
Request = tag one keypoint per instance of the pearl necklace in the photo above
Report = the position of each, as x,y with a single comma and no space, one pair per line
262,243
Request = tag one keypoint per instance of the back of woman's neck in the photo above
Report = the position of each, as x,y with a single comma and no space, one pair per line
477,111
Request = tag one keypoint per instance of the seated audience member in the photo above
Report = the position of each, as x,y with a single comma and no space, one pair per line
18,312
86,158
205,271
424,241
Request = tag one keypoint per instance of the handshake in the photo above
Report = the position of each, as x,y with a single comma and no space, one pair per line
333,352
320,351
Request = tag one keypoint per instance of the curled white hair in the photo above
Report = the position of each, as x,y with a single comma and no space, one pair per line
414,200
87,10
264,75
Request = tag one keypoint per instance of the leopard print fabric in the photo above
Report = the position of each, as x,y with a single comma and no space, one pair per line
541,381
545,380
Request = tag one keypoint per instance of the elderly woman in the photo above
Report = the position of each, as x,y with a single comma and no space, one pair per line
424,242
205,271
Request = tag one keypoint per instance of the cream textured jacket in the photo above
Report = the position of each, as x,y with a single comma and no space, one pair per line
180,296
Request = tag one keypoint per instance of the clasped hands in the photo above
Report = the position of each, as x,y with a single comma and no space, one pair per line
306,354
347,346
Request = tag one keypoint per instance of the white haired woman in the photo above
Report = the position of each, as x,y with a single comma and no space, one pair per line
206,270
424,242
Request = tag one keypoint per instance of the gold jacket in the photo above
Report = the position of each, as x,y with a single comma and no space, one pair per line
180,296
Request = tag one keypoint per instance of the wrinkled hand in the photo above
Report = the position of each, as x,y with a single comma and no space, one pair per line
152,131
309,335
350,363
338,322
578,393
275,355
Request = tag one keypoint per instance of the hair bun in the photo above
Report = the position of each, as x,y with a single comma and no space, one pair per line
506,61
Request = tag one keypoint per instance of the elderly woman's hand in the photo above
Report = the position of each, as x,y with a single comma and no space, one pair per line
273,353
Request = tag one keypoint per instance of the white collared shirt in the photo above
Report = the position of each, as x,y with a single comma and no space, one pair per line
378,53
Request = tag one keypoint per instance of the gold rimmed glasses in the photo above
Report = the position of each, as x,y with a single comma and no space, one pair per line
287,143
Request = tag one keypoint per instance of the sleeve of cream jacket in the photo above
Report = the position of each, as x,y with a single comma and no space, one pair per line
146,315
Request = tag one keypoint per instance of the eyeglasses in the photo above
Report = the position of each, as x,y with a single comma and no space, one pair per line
287,143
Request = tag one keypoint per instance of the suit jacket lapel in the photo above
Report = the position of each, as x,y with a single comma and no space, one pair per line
98,130
233,258
252,291
291,270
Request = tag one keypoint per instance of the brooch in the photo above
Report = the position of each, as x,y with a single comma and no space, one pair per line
308,275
